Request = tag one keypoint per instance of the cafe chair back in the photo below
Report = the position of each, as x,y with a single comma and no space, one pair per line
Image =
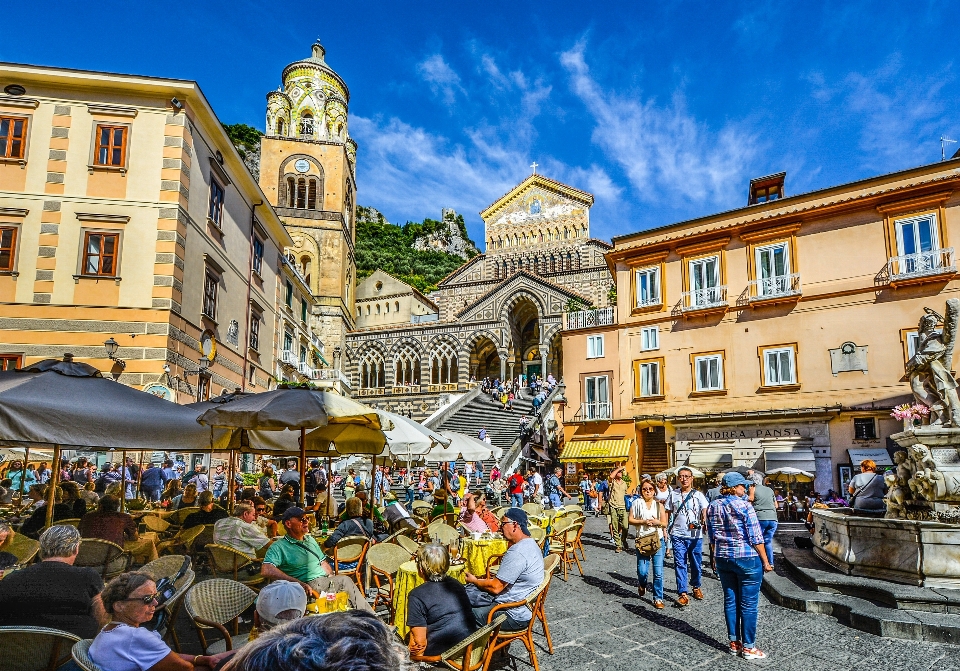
24,549
443,532
564,544
72,522
211,604
34,648
81,656
168,567
408,544
470,654
532,508
348,555
109,559
384,560
230,562
504,638
550,564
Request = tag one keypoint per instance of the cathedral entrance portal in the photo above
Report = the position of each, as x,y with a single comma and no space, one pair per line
484,360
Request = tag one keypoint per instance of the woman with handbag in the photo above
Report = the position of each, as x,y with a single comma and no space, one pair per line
868,489
649,517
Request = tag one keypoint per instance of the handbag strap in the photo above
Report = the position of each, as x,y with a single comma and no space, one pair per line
864,486
677,512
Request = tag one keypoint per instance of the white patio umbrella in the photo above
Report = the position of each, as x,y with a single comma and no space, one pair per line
697,473
465,447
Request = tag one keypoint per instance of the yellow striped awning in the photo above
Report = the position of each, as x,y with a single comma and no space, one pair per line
598,449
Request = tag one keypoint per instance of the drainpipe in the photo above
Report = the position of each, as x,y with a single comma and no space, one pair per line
245,344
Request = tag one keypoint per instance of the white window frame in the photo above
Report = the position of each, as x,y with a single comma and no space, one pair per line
595,347
934,233
644,383
649,338
652,274
775,284
780,381
702,383
913,340
598,408
705,294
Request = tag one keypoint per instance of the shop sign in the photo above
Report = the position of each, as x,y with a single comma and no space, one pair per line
750,432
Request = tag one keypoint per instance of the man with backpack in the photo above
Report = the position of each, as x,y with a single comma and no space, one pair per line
315,482
555,489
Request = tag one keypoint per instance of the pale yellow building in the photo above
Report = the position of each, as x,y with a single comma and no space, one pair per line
771,335
127,217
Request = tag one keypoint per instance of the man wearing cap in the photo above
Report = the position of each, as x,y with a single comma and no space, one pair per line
520,573
279,602
298,557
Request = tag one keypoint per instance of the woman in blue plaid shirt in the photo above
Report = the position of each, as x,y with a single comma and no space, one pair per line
739,558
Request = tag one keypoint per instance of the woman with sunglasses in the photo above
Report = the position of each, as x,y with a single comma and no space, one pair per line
130,599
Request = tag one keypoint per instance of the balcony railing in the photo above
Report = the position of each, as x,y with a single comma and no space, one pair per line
704,299
582,319
592,411
290,358
372,391
330,375
420,319
305,369
934,262
406,389
446,386
774,287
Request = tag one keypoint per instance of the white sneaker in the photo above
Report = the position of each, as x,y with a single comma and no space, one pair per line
753,653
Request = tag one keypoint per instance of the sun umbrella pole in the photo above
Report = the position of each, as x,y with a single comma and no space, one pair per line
139,474
329,483
123,481
23,472
230,475
54,481
303,461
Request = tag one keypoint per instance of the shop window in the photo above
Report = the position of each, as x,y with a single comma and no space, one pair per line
864,428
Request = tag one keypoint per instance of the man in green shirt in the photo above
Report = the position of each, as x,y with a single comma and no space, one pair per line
618,509
297,557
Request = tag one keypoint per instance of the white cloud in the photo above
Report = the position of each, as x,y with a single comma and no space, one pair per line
665,152
442,79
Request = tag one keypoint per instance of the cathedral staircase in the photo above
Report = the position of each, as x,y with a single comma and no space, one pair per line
503,426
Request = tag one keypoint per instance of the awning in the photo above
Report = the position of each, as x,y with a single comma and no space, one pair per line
801,457
600,449
878,454
710,459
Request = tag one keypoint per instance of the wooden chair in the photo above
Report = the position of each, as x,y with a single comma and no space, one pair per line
384,560
81,655
407,544
34,648
563,543
109,559
578,542
550,564
504,638
538,534
25,549
348,550
211,604
493,562
230,561
470,654
167,567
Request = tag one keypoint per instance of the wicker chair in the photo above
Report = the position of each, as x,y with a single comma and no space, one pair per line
504,638
384,560
563,543
178,516
532,508
81,655
34,648
421,505
538,534
168,566
156,524
446,533
108,558
407,544
348,550
550,564
213,603
72,522
182,542
25,549
574,506
578,542
470,654
228,560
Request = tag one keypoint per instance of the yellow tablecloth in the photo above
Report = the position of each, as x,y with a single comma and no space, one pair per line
476,553
541,521
407,578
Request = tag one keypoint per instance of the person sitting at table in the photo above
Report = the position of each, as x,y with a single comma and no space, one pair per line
186,500
279,602
264,521
287,499
520,573
396,515
475,516
89,496
297,556
6,537
72,497
441,504
240,533
38,519
173,489
109,524
123,645
209,512
6,490
53,592
354,525
439,614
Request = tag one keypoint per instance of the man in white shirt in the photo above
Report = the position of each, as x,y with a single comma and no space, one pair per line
241,533
688,519
536,482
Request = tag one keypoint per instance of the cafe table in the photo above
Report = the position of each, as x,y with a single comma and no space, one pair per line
407,578
476,552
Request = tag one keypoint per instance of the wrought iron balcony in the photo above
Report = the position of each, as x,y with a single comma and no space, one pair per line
582,319
594,411
704,299
934,262
781,286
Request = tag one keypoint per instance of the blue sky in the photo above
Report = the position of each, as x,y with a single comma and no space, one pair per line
663,110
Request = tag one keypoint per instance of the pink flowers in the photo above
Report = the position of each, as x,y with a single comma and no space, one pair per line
910,412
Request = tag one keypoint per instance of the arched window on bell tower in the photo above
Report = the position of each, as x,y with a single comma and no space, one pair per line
301,193
291,192
306,125
279,126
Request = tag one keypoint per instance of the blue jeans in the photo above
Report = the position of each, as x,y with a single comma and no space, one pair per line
555,500
769,528
516,500
643,569
409,498
687,557
741,580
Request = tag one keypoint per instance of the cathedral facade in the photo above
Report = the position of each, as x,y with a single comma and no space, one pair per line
499,315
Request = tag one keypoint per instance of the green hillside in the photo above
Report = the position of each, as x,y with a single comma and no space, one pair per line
383,245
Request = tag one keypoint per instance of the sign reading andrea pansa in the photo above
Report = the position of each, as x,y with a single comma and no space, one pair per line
764,432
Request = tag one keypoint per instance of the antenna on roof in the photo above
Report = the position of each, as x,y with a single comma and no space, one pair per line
943,152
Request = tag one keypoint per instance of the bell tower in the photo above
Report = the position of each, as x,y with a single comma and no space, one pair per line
308,173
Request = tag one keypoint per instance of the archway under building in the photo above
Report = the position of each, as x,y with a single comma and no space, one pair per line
484,359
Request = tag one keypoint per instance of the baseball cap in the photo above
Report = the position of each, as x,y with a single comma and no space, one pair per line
519,516
315,463
292,512
732,479
279,596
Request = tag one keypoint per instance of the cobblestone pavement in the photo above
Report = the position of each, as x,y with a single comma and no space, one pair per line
599,622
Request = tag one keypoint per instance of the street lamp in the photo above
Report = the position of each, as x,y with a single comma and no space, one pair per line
112,346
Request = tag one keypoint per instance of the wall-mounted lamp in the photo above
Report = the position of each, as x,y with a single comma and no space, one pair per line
112,346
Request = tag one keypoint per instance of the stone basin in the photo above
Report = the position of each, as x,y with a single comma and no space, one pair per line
911,552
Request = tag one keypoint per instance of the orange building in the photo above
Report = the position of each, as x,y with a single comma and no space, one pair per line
771,335
132,234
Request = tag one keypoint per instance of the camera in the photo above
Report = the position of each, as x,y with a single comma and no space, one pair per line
694,526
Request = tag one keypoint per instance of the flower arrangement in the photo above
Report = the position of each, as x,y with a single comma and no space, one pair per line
907,412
